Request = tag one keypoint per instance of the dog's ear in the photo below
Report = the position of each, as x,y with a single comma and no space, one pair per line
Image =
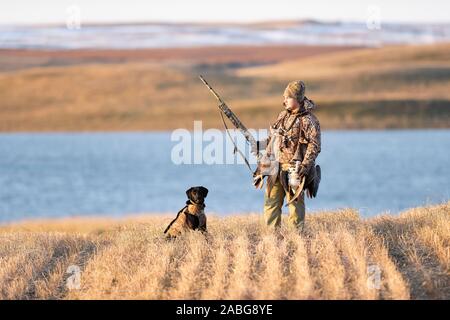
189,193
204,191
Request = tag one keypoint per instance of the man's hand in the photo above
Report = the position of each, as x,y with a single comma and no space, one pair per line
258,181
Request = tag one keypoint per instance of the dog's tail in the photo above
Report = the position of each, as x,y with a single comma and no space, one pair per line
170,224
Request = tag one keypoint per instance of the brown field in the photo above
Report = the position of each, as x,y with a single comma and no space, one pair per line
158,89
15,59
338,256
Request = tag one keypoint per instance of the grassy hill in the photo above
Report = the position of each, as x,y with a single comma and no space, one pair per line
338,256
391,87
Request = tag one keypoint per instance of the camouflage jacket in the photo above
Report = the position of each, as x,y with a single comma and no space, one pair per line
300,136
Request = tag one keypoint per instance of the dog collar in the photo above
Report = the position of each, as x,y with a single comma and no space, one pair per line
191,203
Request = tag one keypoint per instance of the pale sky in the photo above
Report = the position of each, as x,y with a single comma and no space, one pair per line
56,11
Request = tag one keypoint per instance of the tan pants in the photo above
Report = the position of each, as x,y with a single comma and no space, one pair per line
273,203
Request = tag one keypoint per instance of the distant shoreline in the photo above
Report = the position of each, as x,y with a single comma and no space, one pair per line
79,220
169,131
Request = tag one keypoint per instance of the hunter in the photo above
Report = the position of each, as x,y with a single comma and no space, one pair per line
294,139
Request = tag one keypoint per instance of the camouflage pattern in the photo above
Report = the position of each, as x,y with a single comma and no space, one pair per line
300,136
295,142
295,89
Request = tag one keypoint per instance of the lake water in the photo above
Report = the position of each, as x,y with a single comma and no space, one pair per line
114,174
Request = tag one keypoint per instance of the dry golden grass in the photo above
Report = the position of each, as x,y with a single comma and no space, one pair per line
393,72
334,258
18,59
392,87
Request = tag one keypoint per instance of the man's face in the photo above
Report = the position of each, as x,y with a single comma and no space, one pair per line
290,104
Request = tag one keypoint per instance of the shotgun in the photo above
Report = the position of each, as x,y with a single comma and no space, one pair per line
235,120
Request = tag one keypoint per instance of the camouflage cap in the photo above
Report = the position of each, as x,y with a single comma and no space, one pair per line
295,89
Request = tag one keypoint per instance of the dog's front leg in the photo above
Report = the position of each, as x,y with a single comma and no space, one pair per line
202,222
